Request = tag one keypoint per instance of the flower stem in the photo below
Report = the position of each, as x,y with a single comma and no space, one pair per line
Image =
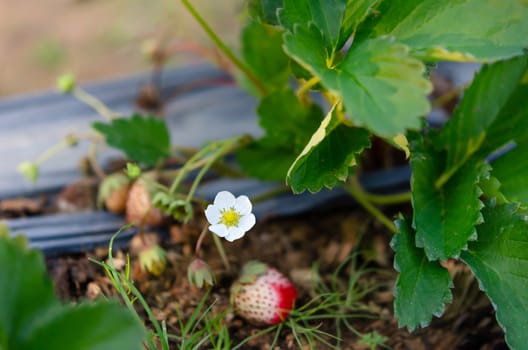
189,165
218,245
354,188
95,103
225,148
92,158
199,242
224,49
68,141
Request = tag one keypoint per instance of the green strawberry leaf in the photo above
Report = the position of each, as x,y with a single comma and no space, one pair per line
326,159
327,16
289,125
459,30
491,189
264,10
335,19
266,160
491,114
286,120
262,51
31,317
423,287
104,326
382,87
25,291
355,13
499,260
445,217
511,170
142,139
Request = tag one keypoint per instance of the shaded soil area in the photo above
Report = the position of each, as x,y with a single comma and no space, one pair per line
327,240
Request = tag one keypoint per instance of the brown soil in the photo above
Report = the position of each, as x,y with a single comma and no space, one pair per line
293,245
96,39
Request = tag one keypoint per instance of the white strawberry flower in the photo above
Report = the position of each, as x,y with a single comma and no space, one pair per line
230,217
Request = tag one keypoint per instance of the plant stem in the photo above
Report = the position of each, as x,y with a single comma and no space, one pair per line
218,245
95,103
92,158
446,176
51,152
187,167
226,147
218,150
354,188
388,199
199,242
449,95
225,50
307,85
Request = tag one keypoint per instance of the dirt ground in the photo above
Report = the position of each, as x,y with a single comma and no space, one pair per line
97,39
293,245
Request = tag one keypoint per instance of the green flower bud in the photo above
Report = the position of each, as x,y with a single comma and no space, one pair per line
199,273
66,83
153,259
71,140
132,171
30,170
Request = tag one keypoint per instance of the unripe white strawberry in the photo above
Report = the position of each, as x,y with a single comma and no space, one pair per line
113,193
262,295
139,207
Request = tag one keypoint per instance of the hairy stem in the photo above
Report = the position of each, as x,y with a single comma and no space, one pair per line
224,49
92,158
388,199
47,154
95,103
199,242
306,86
354,188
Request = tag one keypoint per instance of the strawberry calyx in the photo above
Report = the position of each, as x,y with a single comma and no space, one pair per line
251,270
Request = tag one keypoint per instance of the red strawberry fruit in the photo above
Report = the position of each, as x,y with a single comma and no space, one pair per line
262,295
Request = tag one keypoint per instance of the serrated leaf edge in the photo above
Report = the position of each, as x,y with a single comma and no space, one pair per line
481,286
447,298
479,219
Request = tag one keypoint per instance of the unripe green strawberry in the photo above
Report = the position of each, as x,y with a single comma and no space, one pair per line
262,295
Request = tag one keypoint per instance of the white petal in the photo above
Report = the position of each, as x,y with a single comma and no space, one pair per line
212,214
224,199
235,233
243,205
247,222
220,230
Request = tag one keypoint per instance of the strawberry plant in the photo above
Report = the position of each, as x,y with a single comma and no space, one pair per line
360,70
334,77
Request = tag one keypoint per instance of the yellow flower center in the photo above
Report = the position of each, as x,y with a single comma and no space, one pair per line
230,217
